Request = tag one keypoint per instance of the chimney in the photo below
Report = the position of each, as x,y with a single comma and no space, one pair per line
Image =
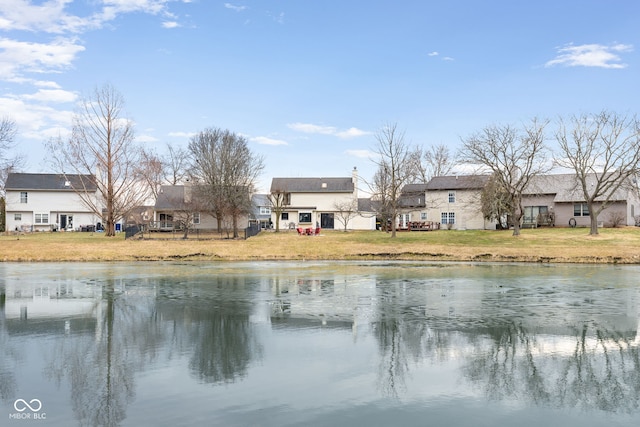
354,178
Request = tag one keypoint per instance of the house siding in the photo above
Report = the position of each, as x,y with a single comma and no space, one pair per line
53,203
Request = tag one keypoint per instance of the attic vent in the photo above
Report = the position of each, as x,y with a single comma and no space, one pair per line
324,185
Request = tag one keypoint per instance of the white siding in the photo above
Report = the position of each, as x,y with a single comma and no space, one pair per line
53,203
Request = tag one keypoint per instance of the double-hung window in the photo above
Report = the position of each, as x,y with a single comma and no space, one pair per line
452,196
580,209
23,197
448,218
42,218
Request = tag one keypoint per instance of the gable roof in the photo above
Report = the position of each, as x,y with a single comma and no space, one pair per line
49,182
312,185
170,197
457,182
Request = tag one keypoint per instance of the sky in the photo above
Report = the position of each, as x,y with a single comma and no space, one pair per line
311,83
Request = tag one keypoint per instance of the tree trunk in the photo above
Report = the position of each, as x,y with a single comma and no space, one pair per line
593,220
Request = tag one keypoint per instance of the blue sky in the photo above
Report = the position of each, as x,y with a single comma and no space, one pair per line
309,83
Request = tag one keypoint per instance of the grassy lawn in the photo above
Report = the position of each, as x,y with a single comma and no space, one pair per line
612,245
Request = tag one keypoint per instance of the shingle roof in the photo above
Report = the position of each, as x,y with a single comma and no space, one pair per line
312,185
170,197
566,188
49,182
457,182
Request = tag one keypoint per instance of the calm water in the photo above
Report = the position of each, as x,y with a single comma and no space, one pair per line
319,344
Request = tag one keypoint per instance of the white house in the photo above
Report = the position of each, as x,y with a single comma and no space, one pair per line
45,202
323,202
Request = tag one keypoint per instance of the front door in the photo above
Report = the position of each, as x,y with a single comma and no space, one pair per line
326,220
63,222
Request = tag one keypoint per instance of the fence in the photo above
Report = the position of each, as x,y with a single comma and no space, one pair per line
146,233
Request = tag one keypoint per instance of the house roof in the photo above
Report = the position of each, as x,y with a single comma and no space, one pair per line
457,182
49,182
313,185
566,188
170,197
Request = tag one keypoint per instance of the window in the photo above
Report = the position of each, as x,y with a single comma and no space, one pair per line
448,218
531,213
42,218
17,217
423,216
580,209
284,216
452,196
23,197
265,210
196,217
287,199
304,217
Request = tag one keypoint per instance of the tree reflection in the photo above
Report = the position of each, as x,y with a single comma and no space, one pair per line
224,348
9,354
601,372
101,368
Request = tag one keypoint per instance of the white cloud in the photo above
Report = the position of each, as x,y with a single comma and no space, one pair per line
590,55
52,95
327,130
18,56
310,128
434,53
351,133
170,24
263,140
234,7
146,138
362,154
182,134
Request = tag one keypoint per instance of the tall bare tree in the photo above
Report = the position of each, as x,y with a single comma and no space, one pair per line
170,169
513,156
227,171
8,163
102,146
395,167
603,150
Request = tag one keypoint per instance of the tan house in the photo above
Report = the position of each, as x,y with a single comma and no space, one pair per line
320,202
453,201
549,200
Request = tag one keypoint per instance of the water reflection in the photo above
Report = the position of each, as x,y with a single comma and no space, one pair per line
558,337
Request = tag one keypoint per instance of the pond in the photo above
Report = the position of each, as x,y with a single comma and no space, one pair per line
319,344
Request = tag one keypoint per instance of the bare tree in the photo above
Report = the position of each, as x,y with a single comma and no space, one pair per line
151,170
513,157
604,152
227,170
345,211
176,165
102,146
379,188
395,166
436,160
494,201
278,199
8,163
